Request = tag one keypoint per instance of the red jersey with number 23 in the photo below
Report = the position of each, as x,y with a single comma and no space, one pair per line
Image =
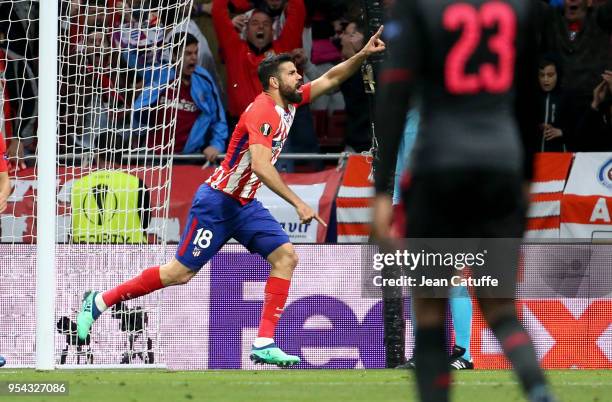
263,122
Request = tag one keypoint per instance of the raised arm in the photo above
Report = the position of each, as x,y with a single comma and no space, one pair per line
291,36
341,72
227,35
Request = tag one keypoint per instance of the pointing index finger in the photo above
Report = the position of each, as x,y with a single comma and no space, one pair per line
321,221
379,32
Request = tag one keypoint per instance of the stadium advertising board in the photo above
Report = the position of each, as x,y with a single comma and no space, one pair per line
587,200
318,189
210,323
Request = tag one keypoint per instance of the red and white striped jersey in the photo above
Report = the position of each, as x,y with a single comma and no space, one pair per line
263,122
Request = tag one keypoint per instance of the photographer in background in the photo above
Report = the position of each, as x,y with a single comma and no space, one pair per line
66,326
134,322
110,188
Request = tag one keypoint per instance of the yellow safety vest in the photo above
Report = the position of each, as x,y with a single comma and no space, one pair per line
105,209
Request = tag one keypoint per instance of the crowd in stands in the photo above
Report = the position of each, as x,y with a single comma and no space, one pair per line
120,72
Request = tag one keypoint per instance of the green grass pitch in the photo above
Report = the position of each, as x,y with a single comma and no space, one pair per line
296,385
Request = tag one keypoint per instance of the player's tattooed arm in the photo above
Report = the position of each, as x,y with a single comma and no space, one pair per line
267,173
343,71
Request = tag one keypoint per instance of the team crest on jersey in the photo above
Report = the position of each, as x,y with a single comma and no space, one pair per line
265,129
605,174
196,252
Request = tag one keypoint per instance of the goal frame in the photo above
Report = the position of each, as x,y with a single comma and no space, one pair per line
47,132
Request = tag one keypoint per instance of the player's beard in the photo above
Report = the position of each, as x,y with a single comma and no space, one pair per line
290,94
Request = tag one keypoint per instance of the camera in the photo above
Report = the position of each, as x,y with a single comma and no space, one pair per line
132,319
66,326
134,322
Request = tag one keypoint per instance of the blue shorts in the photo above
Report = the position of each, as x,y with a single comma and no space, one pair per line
215,217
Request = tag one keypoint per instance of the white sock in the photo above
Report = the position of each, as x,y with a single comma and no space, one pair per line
260,342
100,302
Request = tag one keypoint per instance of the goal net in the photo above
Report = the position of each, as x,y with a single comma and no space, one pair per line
118,74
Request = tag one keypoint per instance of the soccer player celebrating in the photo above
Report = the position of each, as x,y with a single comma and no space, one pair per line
225,206
473,63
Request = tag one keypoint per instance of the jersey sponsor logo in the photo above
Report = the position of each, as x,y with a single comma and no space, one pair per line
182,104
265,129
604,176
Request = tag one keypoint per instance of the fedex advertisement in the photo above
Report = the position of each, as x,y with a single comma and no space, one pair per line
210,322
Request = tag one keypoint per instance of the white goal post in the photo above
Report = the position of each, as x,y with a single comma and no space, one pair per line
46,175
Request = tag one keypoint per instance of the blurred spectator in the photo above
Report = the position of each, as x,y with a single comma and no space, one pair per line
302,137
330,102
200,117
274,8
19,27
79,16
242,57
358,137
326,40
552,111
96,86
205,56
20,100
140,39
596,124
322,42
580,35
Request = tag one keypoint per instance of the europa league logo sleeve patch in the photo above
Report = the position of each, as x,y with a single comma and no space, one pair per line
265,129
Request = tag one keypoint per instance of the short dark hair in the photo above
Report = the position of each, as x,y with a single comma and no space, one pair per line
360,26
189,40
551,59
269,68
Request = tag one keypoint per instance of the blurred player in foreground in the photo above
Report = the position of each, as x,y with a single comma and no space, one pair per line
225,206
460,300
474,62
